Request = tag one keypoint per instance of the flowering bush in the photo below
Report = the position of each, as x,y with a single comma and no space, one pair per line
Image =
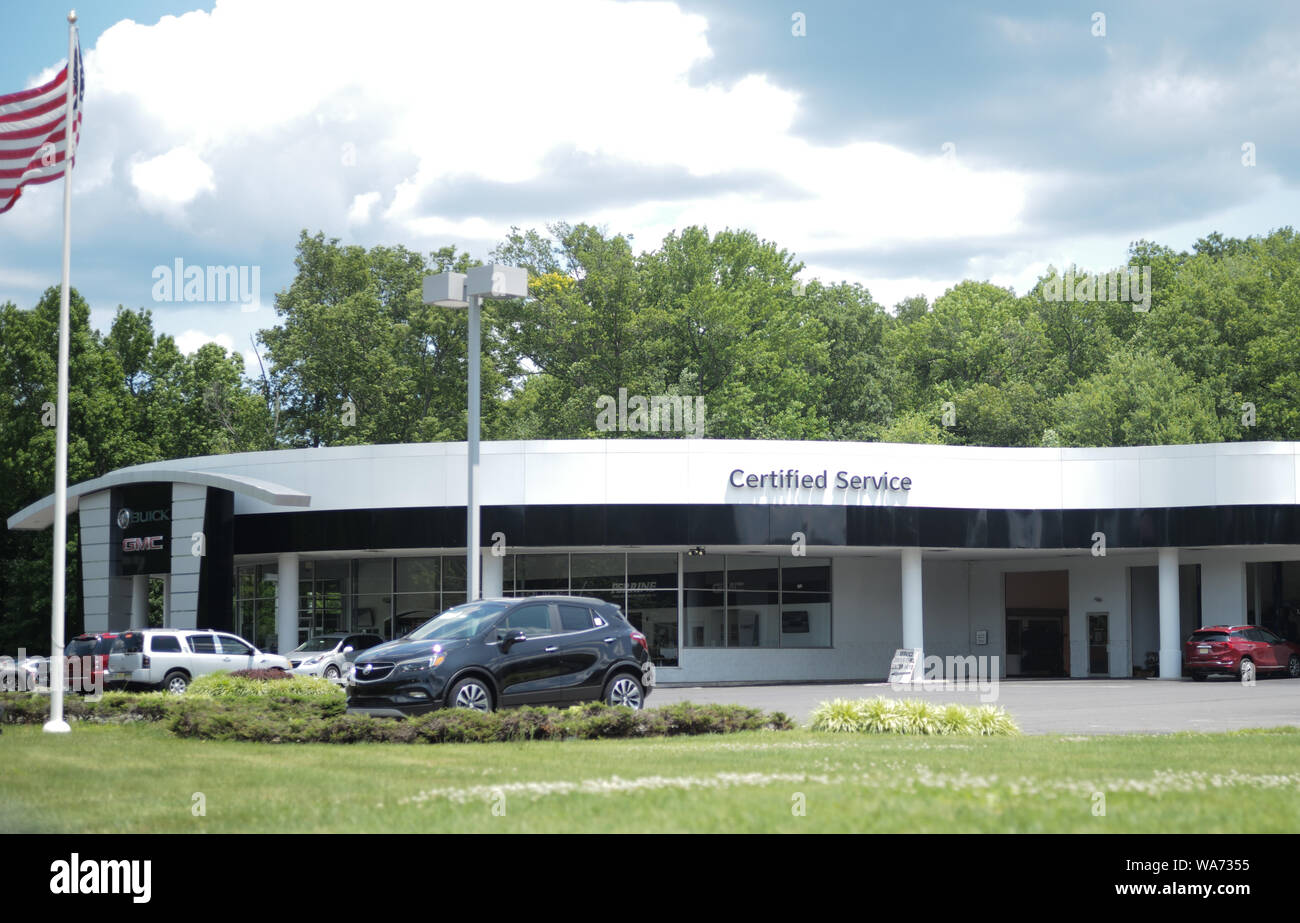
910,716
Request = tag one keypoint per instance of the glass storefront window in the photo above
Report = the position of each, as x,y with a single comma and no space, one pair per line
706,617
541,573
651,572
418,575
255,591
751,601
1273,597
732,601
453,577
596,572
654,614
373,607
806,603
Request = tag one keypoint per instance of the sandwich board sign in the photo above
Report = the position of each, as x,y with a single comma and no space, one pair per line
905,665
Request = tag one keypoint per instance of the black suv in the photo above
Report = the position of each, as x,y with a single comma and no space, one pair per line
539,650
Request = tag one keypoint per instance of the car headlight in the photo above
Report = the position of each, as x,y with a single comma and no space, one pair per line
314,660
420,664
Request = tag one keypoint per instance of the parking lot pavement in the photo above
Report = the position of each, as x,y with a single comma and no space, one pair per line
1103,706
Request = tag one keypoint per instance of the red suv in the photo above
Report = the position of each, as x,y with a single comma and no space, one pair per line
91,652
1240,650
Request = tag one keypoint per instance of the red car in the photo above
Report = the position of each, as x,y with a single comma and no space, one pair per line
91,653
1241,650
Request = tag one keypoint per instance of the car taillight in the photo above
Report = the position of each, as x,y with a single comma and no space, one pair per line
144,661
640,639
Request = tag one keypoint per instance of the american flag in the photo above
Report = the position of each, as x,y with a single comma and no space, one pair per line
34,132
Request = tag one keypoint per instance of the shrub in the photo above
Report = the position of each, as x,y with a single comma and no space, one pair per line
111,708
838,715
261,674
265,719
327,698
910,716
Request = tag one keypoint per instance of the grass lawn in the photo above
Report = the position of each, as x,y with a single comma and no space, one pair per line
138,778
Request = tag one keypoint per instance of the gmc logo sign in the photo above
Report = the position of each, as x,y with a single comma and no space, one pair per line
152,543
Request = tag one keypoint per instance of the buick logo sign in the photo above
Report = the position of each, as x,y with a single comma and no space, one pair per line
127,517
368,668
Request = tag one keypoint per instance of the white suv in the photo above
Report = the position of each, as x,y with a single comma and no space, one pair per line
170,657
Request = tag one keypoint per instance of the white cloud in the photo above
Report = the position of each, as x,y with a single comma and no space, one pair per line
359,213
170,181
248,123
190,340
425,93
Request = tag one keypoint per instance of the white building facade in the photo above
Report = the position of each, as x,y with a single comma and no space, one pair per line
742,561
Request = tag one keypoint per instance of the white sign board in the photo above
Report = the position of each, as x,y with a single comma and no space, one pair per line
905,665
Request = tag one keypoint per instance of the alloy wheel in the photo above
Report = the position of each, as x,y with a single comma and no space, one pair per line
1247,671
625,691
472,695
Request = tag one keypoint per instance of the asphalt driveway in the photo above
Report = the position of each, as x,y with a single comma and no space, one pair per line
1107,706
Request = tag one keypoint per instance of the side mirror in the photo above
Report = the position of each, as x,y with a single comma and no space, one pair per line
348,649
511,637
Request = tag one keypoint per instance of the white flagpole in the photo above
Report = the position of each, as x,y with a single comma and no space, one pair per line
56,724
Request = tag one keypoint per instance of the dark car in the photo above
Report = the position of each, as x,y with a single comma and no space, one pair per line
1242,650
540,650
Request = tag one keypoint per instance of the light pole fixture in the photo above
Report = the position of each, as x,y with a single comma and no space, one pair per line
467,290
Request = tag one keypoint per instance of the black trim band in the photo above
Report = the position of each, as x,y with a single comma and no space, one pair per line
755,524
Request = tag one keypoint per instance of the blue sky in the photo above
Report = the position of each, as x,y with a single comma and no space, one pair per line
903,146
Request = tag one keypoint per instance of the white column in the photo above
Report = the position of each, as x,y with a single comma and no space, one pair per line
140,601
167,600
472,525
493,574
286,603
913,624
1171,654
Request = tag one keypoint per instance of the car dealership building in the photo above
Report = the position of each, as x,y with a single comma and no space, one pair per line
739,560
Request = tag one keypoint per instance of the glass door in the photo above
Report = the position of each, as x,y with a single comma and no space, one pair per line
1099,643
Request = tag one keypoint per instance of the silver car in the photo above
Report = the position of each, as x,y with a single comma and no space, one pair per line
169,658
330,655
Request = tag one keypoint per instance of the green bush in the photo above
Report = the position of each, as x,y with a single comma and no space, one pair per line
112,707
910,716
265,719
327,698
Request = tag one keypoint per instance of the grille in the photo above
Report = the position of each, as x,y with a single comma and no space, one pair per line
378,671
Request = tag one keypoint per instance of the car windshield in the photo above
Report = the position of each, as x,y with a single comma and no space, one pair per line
317,645
459,622
1207,636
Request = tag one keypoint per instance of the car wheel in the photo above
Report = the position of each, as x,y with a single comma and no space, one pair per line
624,689
470,693
1293,667
1246,670
176,683
332,672
1198,676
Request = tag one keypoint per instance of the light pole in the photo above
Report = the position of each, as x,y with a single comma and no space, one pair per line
467,290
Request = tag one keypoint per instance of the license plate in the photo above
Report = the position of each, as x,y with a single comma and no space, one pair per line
113,676
1204,649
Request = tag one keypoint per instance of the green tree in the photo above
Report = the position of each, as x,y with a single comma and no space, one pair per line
1139,399
357,358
